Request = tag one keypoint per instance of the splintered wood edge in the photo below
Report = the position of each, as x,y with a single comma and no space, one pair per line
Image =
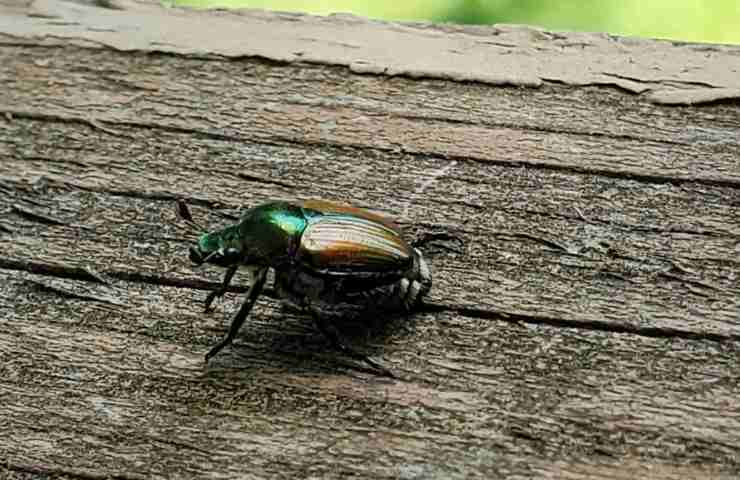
667,72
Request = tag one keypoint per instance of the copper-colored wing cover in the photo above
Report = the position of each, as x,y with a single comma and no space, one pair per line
346,239
327,207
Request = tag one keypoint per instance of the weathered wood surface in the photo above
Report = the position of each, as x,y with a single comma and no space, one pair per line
589,328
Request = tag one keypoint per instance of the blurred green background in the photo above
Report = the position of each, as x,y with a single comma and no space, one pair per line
715,21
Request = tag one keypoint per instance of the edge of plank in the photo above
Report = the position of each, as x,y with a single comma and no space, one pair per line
667,72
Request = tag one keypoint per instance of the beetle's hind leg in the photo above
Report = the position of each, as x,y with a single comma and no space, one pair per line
219,292
330,332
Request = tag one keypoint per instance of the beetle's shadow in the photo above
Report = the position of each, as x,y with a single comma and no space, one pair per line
369,333
296,345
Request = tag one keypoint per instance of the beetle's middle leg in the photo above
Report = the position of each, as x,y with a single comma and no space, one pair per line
330,331
219,292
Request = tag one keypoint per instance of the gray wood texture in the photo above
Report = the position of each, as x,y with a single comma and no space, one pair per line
589,326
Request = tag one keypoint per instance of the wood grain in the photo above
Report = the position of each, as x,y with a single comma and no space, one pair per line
588,328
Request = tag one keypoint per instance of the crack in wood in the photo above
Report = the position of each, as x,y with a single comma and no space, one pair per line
532,128
45,471
77,273
282,140
36,217
595,325
69,293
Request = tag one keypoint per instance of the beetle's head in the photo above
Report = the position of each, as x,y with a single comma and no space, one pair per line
220,248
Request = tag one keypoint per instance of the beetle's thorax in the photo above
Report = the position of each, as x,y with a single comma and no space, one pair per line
269,234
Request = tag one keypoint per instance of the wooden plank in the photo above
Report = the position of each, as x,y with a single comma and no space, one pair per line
588,328
583,264
127,384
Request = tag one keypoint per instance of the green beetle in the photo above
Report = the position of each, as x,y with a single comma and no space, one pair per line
332,261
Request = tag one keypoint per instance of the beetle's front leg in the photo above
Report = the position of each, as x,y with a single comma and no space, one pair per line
219,292
258,283
330,332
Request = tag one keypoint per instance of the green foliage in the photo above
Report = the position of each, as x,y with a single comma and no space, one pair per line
690,20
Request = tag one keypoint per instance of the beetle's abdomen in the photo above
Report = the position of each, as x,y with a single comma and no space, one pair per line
416,284
405,293
342,297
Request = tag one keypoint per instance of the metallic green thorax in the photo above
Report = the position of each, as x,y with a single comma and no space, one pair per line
265,234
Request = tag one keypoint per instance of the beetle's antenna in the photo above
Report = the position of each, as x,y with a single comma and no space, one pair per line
183,213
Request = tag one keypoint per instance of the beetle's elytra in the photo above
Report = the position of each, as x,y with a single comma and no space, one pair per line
331,261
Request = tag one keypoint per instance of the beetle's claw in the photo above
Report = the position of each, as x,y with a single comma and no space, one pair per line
384,372
217,348
209,300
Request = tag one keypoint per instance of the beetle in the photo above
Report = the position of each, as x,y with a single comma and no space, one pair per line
333,261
